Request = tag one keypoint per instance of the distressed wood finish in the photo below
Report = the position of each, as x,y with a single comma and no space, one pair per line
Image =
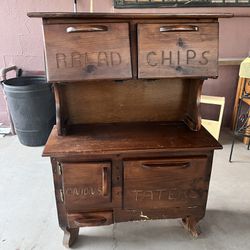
110,101
184,177
173,50
70,236
153,183
87,51
144,215
125,148
93,139
193,114
107,47
86,184
122,101
183,180
60,116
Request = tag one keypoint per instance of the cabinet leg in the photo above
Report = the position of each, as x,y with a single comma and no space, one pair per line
190,224
70,236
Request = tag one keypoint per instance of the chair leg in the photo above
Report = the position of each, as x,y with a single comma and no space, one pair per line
232,147
235,128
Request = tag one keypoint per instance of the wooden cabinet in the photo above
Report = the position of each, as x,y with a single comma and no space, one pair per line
128,144
154,170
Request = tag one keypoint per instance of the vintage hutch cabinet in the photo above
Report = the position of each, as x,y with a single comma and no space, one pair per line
128,143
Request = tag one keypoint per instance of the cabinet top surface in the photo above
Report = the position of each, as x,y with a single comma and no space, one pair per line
87,15
128,137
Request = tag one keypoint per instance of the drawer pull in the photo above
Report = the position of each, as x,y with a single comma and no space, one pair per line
59,168
166,165
105,181
90,221
97,28
179,28
61,195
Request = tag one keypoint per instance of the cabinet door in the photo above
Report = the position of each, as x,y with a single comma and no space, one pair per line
86,51
165,183
178,50
86,185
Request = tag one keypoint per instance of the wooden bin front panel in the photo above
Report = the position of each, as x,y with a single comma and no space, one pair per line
127,101
165,183
177,50
86,185
87,51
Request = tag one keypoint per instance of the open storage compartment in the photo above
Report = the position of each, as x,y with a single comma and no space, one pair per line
168,100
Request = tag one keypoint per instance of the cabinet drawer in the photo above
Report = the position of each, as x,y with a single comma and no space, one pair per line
90,219
86,185
165,183
178,50
88,51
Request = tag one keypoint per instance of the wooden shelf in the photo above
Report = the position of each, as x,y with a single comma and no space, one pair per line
118,138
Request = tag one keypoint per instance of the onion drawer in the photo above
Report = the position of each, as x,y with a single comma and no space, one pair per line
87,51
177,50
165,183
86,185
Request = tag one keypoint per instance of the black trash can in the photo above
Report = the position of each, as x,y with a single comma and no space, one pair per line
32,107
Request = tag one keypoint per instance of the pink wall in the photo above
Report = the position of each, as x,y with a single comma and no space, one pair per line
21,39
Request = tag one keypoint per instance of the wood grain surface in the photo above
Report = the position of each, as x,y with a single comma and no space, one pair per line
174,50
85,184
165,183
126,101
88,51
118,138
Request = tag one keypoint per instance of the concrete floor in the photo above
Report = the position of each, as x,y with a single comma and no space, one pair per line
28,217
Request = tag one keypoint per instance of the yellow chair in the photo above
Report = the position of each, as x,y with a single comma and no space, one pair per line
213,126
242,118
